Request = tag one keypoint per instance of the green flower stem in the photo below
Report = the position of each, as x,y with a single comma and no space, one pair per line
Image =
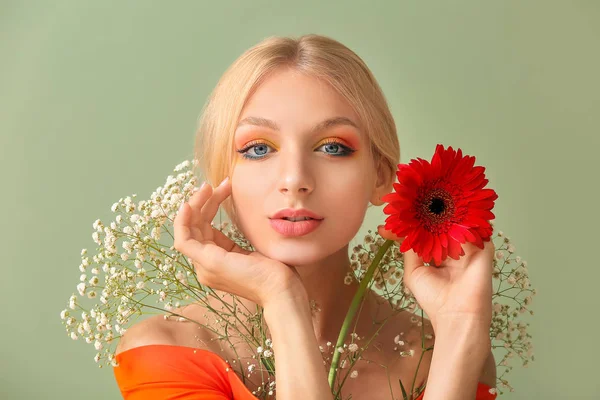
354,307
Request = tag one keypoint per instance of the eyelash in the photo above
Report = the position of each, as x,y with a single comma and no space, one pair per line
346,150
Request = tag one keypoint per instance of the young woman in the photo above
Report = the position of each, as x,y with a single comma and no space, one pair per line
300,128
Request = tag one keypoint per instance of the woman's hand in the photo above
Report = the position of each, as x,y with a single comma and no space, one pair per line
222,264
457,290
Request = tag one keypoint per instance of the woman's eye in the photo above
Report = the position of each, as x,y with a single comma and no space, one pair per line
335,149
259,150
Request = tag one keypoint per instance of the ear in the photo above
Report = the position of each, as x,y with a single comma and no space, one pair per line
384,184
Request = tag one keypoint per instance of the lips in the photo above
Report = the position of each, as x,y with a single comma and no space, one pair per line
291,229
297,219
296,213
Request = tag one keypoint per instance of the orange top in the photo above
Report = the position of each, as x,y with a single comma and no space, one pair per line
169,372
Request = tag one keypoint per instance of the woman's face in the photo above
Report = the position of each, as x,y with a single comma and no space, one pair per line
291,165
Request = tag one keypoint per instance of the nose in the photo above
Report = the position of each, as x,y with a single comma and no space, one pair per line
296,176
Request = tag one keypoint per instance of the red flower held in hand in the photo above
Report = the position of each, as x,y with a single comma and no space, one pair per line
440,205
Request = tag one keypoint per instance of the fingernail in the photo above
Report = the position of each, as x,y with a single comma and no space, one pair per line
224,181
181,207
198,188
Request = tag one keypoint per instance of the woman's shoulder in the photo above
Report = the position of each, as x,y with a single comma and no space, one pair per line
163,330
146,332
166,358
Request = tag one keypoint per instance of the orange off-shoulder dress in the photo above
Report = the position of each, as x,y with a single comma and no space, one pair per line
170,372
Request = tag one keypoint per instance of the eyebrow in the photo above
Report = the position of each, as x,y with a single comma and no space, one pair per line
328,123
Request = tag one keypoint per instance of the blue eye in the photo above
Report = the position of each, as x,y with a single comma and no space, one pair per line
337,149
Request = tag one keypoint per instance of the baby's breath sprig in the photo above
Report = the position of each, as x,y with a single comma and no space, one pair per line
134,273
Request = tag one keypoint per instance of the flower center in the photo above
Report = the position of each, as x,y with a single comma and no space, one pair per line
437,205
436,208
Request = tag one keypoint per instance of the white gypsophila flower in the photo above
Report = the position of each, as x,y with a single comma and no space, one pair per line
182,166
340,349
96,238
97,225
81,288
353,347
499,255
348,280
268,342
259,349
98,345
64,314
91,294
354,374
408,353
73,336
267,353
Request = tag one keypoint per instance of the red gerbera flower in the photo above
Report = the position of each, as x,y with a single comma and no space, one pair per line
440,205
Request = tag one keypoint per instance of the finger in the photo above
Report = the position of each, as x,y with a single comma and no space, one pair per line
207,257
197,201
206,253
210,208
412,261
181,226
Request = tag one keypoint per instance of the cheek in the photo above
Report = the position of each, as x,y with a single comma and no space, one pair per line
248,195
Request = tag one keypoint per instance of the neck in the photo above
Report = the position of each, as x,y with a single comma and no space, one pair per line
328,294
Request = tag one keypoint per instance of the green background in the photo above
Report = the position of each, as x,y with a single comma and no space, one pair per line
99,100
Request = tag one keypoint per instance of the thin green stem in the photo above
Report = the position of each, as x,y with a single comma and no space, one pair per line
353,308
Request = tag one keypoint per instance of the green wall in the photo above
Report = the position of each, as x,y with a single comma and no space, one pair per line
99,100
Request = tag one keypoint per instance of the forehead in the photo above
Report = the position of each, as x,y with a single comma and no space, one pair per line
292,100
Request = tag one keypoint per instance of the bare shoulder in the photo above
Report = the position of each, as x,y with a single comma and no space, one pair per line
172,330
151,330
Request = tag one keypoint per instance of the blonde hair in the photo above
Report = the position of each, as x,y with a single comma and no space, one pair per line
315,55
